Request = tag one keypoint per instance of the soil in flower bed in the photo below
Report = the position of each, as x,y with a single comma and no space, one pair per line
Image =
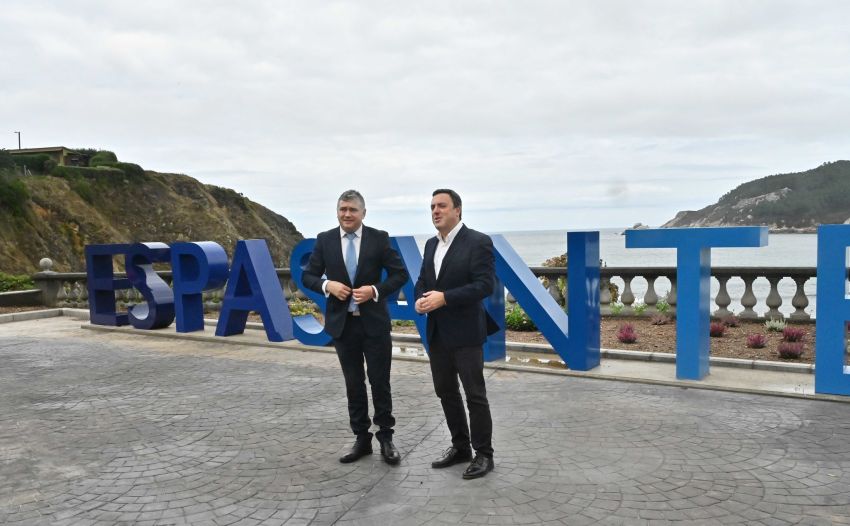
662,338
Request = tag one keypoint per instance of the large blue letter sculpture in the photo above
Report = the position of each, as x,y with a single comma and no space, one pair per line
412,260
101,284
157,311
575,337
308,330
693,274
832,376
254,286
197,268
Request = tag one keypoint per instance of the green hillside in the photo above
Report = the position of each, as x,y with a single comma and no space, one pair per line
56,210
792,201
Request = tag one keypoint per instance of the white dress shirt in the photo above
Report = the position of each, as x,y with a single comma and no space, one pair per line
344,241
443,247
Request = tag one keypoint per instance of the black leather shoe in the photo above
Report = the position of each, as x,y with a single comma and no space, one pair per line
389,452
361,448
479,467
452,456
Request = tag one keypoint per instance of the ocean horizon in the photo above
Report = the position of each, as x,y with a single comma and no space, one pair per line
782,250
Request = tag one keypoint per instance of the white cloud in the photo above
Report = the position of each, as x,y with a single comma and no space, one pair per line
541,114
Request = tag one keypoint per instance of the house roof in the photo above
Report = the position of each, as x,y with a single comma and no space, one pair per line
49,149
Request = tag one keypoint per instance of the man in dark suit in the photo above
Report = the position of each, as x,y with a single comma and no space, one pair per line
351,258
457,274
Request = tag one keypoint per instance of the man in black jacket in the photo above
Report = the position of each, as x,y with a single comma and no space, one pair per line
457,274
351,258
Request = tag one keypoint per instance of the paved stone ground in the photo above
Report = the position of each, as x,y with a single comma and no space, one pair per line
102,428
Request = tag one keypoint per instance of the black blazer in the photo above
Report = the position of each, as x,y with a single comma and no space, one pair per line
466,278
376,255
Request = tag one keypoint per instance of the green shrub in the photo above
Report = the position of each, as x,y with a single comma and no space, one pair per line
130,169
774,325
9,282
83,188
639,308
662,306
517,320
103,157
39,163
299,307
6,160
74,172
404,323
13,195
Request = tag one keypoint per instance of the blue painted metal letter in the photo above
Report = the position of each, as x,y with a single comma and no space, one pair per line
307,328
832,376
157,311
412,259
101,284
574,338
198,267
254,286
693,274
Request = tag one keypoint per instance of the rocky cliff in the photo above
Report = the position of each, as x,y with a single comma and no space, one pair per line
56,215
793,202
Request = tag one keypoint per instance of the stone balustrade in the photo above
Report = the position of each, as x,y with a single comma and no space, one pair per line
786,292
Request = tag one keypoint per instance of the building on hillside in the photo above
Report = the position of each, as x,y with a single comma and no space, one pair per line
63,156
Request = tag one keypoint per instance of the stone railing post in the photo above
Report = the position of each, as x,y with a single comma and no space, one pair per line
47,283
722,299
650,299
748,300
800,301
627,298
774,300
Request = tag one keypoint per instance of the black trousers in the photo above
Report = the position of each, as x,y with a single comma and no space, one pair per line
467,363
352,348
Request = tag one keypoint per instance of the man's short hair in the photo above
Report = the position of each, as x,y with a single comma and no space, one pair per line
456,202
352,195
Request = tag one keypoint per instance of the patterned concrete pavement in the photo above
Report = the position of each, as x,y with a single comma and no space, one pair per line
104,428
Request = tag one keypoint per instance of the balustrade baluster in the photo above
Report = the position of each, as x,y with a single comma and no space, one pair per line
76,295
605,295
671,296
62,295
748,300
722,299
284,285
774,300
650,299
800,301
627,298
554,290
84,295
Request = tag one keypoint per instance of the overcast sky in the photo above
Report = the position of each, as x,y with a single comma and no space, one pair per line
542,115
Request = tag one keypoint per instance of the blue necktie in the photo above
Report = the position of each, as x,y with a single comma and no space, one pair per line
351,265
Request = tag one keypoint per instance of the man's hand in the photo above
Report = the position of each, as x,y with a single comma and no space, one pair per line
430,301
363,294
340,291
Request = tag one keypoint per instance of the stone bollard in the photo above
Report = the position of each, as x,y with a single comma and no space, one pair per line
45,281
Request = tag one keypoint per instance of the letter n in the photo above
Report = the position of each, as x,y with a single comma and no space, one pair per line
575,337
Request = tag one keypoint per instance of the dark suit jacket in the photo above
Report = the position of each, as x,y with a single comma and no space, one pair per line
466,278
376,255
